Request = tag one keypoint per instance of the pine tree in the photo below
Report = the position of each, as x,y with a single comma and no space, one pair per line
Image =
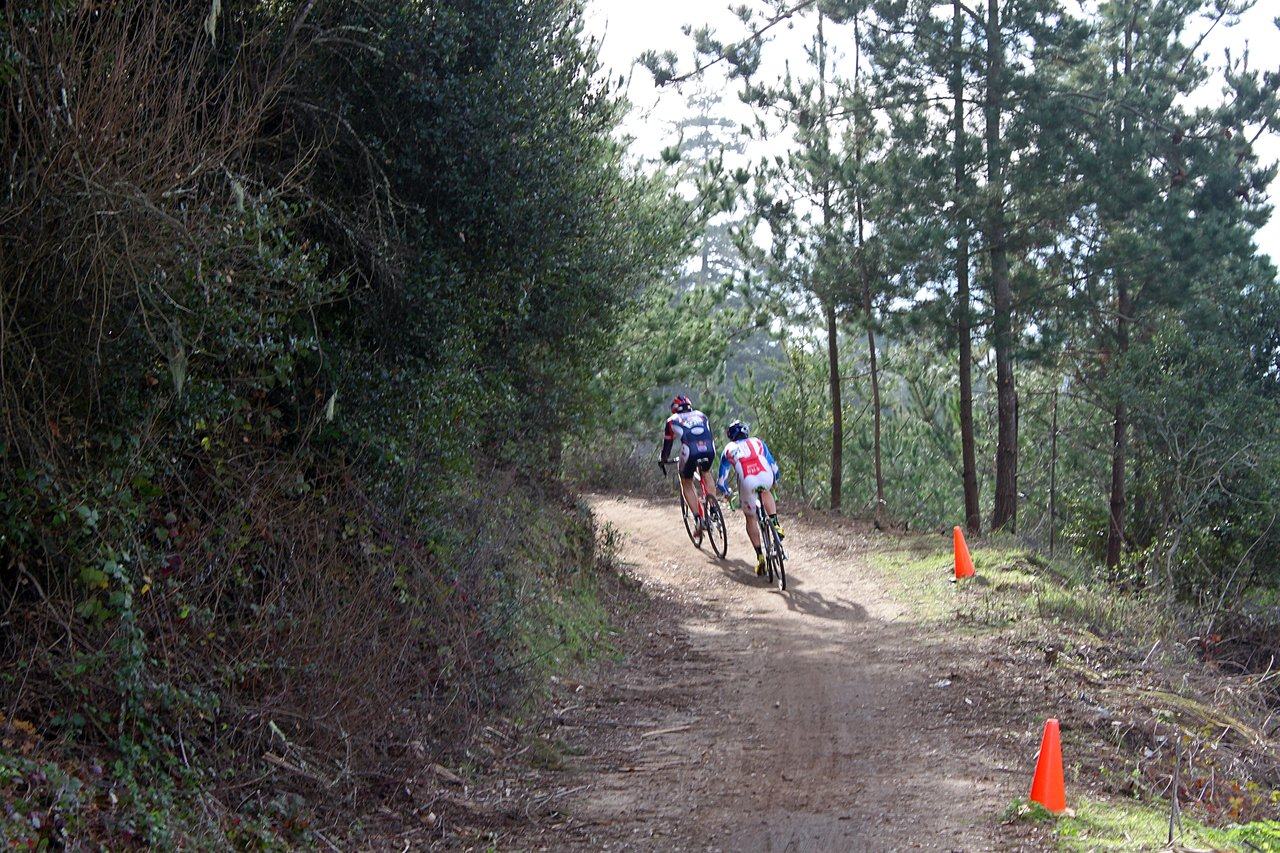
932,186
1156,207
707,139
798,196
963,310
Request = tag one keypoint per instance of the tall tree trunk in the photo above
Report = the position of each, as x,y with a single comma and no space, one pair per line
1053,474
868,306
1142,535
1119,441
1005,513
964,321
1120,422
868,310
837,408
828,300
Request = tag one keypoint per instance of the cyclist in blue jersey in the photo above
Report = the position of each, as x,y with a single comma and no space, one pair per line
697,451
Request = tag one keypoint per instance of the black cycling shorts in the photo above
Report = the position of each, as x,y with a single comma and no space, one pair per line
699,460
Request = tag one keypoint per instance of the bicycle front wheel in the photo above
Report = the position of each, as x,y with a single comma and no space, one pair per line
780,557
716,531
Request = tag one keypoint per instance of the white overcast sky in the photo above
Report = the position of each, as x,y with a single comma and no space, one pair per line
626,28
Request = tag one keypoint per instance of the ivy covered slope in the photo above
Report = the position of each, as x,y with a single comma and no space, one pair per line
294,301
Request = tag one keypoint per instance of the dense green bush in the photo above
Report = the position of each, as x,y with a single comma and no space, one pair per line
296,299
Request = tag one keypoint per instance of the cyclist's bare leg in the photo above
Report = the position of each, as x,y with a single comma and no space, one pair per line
753,527
690,492
770,507
707,492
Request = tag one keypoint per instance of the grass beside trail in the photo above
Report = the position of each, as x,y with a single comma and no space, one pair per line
1097,824
921,571
1118,825
569,622
1088,644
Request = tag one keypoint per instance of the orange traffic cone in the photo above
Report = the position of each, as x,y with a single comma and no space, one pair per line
964,563
1047,787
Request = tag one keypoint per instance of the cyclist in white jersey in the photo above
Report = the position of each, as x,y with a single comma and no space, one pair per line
757,472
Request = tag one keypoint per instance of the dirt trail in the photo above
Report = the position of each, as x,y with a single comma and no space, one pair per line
760,720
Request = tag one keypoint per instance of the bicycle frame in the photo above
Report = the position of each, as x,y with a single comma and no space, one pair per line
712,519
775,554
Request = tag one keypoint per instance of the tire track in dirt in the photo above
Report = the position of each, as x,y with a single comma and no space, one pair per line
761,720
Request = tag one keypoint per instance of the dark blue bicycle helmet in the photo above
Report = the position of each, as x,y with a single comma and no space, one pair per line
737,431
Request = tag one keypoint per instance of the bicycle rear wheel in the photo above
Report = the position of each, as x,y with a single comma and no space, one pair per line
780,557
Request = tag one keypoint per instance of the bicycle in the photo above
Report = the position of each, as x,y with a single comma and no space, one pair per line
775,556
713,519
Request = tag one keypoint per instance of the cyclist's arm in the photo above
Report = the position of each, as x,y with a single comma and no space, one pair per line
722,478
668,437
768,457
